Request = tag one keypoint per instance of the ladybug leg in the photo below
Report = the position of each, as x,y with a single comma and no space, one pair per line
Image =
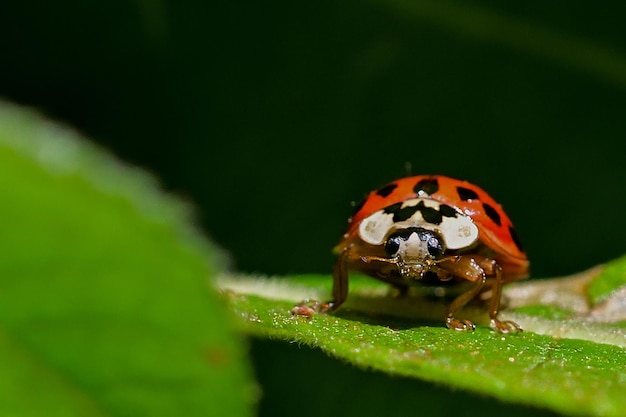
502,326
476,269
340,282
308,308
464,267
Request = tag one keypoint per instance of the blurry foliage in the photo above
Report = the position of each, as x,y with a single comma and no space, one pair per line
273,116
105,305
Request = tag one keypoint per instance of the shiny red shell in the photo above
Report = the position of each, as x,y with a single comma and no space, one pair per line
496,230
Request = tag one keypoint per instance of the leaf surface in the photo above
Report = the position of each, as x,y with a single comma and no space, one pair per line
105,303
548,365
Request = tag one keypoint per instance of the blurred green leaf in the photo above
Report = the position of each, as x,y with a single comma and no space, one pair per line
495,26
105,299
612,279
548,365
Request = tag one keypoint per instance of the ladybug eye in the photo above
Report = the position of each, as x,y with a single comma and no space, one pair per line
435,247
392,246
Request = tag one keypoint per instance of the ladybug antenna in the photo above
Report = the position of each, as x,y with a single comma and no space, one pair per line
368,259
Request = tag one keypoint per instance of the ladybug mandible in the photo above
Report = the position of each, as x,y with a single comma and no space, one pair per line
431,230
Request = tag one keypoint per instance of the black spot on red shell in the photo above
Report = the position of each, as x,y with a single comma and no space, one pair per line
492,213
387,189
466,193
515,238
428,186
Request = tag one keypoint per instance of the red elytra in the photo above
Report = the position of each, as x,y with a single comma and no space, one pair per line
500,238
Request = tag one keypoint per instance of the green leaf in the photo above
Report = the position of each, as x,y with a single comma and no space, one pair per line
612,279
494,26
548,365
105,299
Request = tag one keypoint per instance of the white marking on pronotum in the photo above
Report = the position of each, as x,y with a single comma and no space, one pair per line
457,232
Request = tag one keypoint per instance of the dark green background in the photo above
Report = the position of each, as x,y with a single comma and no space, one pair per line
271,117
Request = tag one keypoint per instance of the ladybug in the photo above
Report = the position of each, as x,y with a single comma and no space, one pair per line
432,230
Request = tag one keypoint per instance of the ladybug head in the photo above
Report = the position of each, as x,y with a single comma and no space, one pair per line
412,247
